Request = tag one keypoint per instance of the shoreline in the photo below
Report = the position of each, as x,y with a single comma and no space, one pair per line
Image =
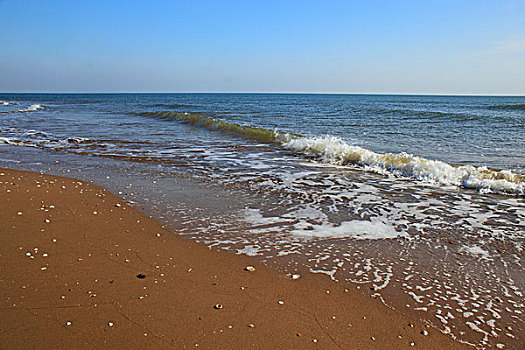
73,281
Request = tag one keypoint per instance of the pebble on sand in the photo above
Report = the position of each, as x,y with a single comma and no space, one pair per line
249,268
141,276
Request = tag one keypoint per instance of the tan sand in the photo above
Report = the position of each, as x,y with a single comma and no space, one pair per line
70,254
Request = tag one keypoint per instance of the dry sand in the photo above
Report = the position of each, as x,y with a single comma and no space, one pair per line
70,254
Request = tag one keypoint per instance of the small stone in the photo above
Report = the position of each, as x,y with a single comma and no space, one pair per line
295,276
314,340
217,306
249,268
281,302
141,276
118,205
47,220
251,325
20,213
43,268
412,344
68,323
95,213
411,325
424,333
158,235
372,338
299,334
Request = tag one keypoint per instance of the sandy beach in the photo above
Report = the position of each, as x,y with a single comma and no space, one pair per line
82,269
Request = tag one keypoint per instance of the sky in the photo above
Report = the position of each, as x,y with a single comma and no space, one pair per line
417,47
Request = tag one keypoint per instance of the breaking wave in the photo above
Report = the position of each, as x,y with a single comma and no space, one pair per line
31,108
7,103
334,150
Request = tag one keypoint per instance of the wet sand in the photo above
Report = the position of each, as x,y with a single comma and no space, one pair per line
72,253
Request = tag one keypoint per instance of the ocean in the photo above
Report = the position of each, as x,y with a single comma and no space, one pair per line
417,200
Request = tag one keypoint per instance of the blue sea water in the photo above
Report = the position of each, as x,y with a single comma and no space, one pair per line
395,192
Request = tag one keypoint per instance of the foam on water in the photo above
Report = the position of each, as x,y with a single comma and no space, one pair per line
31,108
335,150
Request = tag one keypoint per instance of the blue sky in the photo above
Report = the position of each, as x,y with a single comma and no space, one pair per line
451,47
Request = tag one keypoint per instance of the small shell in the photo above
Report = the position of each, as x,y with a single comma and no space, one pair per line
249,268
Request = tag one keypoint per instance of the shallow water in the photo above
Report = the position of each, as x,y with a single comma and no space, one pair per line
419,199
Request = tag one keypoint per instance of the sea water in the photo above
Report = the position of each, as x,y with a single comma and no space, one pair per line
418,199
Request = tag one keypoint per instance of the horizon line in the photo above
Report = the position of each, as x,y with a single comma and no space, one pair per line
271,92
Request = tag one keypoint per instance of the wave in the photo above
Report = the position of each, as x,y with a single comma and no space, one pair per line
253,133
32,108
519,107
8,103
335,151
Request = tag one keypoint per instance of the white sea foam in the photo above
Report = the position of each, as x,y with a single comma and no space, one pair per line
374,228
476,251
336,151
32,108
358,229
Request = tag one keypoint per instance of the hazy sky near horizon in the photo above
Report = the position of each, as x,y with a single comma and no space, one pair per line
452,47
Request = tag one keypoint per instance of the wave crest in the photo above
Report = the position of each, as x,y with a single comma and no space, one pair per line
32,108
334,150
250,132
